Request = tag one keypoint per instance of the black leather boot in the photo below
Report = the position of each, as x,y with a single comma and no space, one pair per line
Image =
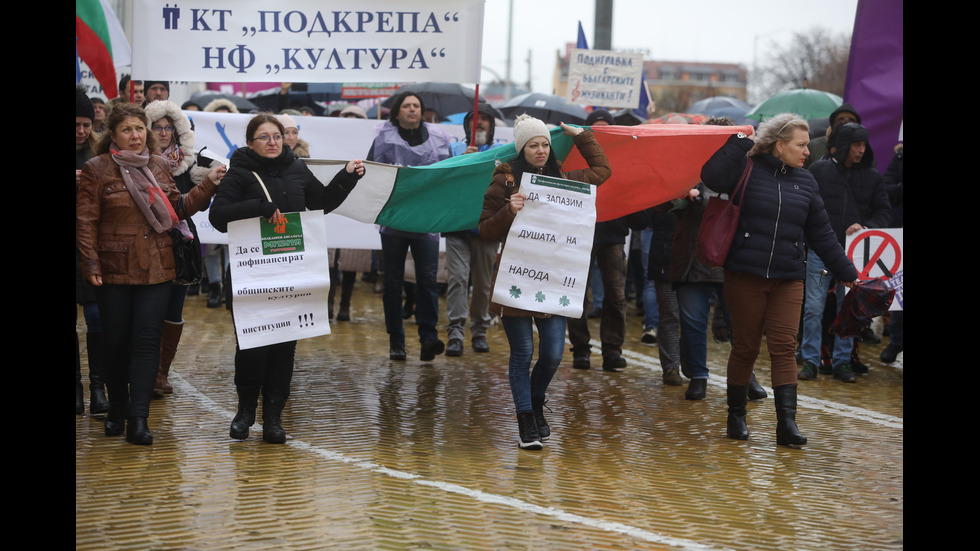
137,432
787,434
738,396
214,295
537,407
96,384
115,420
756,392
272,431
248,400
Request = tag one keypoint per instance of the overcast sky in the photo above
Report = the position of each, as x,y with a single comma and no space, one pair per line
729,31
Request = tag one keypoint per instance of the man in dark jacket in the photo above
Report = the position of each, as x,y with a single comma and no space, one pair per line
855,198
609,254
818,146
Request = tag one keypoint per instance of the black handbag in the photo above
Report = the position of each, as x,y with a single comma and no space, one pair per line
188,261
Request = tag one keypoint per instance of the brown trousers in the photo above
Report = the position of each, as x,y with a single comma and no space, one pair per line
760,306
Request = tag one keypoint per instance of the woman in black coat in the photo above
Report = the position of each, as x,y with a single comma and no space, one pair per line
286,185
765,268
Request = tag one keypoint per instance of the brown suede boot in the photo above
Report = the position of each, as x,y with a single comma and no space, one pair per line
168,349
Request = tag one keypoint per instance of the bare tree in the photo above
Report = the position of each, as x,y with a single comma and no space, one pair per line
816,58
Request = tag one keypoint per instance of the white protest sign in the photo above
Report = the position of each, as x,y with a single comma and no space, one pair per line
878,253
545,263
308,41
280,278
605,78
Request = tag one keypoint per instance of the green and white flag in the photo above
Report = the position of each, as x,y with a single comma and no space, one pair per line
444,197
545,263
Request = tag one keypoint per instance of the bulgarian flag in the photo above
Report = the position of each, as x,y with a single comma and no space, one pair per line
651,164
101,42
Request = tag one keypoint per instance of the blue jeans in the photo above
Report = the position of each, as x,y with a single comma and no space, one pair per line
216,261
815,298
524,382
694,302
175,308
425,254
93,321
651,309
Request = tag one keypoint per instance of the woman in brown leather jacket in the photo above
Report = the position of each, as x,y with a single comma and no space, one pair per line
500,206
126,205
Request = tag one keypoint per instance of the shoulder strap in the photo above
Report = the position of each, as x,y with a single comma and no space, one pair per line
743,181
261,183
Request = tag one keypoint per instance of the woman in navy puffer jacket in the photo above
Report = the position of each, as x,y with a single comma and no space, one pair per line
765,268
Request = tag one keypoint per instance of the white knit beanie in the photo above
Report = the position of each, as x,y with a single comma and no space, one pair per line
287,121
527,127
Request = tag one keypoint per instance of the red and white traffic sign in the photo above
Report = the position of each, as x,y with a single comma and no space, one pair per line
876,253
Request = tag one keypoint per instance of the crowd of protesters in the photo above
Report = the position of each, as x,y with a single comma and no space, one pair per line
775,283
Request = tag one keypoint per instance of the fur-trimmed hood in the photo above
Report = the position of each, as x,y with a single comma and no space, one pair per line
216,104
302,149
183,133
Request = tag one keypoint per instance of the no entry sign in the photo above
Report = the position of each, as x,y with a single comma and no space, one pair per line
876,253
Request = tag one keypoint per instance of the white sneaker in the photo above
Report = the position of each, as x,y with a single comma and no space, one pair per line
649,337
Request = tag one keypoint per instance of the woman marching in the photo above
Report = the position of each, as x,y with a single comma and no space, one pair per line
501,204
764,271
267,179
126,204
175,143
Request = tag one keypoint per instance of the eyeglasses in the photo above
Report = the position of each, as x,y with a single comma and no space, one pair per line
264,138
162,128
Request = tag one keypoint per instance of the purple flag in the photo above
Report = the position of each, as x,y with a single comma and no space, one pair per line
874,83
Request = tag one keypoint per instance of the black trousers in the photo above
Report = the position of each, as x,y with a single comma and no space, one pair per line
132,322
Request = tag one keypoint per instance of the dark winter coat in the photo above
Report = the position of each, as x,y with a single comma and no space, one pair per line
781,210
853,194
684,265
663,223
291,185
894,176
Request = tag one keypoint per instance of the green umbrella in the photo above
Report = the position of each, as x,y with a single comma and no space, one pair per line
807,103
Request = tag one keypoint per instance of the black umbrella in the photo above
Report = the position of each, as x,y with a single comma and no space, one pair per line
202,99
818,127
549,108
316,93
721,106
627,117
445,98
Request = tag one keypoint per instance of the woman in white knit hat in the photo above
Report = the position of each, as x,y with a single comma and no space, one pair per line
291,137
500,205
